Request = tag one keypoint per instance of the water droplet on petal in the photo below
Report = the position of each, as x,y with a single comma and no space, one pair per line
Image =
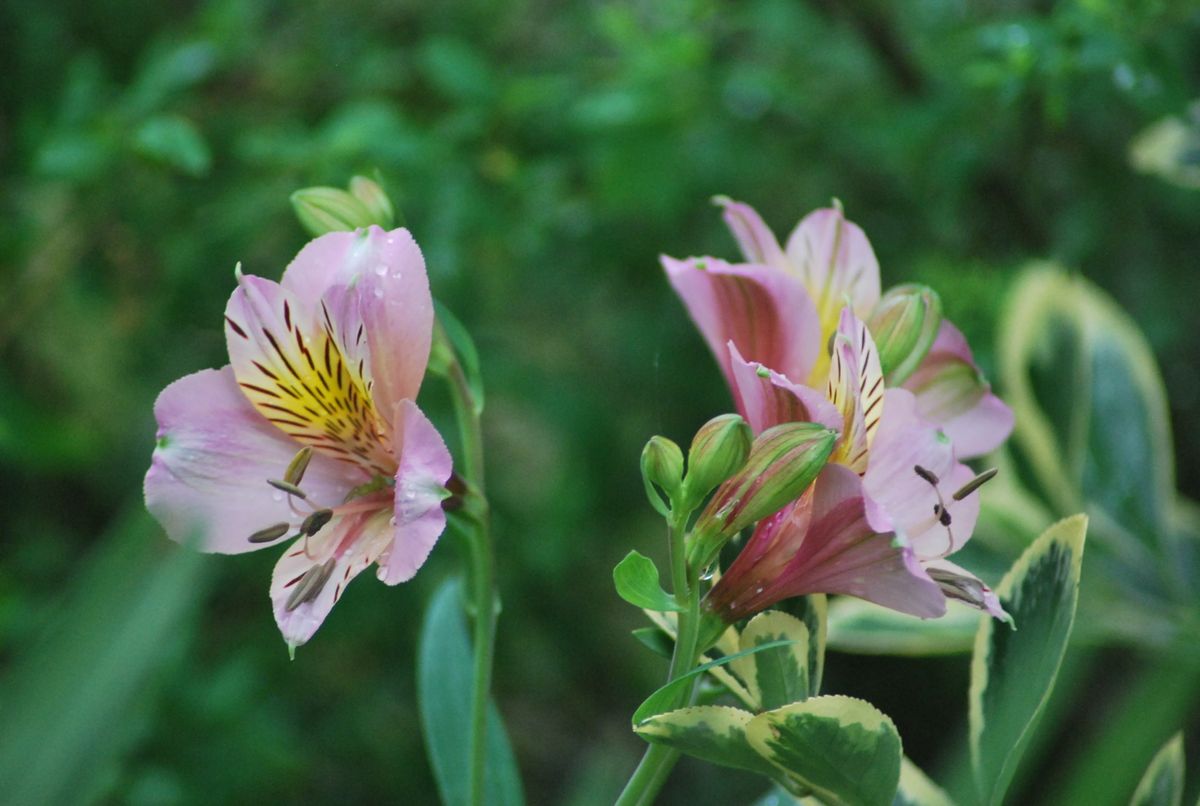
278,496
379,293
381,269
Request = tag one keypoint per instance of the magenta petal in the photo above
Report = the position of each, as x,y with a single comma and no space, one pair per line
208,477
754,237
769,399
337,554
766,313
425,467
836,261
901,499
952,393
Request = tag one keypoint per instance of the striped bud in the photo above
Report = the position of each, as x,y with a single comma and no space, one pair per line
375,200
325,209
718,450
662,469
904,326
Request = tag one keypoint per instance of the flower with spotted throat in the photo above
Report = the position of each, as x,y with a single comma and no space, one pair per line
312,431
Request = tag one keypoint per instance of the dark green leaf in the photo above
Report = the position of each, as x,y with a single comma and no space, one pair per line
174,141
1162,785
655,640
444,689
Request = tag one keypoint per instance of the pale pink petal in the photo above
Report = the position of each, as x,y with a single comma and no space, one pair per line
838,552
208,477
425,467
961,585
952,393
387,271
343,549
836,262
309,375
754,237
766,398
766,313
901,499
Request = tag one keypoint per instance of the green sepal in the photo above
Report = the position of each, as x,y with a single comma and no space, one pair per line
636,580
844,750
1013,671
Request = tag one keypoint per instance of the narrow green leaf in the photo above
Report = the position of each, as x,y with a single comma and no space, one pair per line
444,692
845,750
1013,671
666,698
1162,785
74,703
655,640
714,733
861,627
636,580
779,676
464,348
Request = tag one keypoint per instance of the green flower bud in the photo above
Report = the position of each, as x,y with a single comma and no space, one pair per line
718,450
662,469
904,326
783,462
375,200
325,209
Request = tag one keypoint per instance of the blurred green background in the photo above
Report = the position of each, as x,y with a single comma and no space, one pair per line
543,155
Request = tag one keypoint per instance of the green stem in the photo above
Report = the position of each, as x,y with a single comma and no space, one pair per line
659,760
484,602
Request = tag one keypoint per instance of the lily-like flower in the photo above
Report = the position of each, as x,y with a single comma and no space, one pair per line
782,307
311,432
880,518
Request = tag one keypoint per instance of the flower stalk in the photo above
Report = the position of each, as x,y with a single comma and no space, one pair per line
483,604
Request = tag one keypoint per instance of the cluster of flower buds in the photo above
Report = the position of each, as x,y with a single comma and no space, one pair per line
327,209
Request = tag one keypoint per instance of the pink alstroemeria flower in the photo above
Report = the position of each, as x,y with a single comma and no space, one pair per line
876,523
782,307
311,430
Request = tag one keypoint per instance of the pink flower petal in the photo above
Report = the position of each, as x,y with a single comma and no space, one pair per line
952,393
342,550
208,477
425,467
754,237
836,262
387,271
769,399
903,501
838,552
766,313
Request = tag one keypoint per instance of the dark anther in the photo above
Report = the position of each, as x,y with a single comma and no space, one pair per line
287,487
270,533
975,483
943,514
313,523
310,585
928,475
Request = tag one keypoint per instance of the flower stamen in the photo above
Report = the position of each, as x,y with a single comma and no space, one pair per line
975,483
287,487
268,534
295,469
310,585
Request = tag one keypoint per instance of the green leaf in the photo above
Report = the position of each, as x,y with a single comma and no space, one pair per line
655,640
666,698
861,627
174,141
75,702
1013,671
1090,406
1162,785
845,750
778,676
636,580
916,789
813,610
714,733
444,692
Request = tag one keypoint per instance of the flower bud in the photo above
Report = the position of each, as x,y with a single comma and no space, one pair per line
904,325
783,462
325,209
374,199
662,469
718,450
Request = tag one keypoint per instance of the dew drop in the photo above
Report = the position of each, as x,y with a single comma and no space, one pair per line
278,496
379,293
381,269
